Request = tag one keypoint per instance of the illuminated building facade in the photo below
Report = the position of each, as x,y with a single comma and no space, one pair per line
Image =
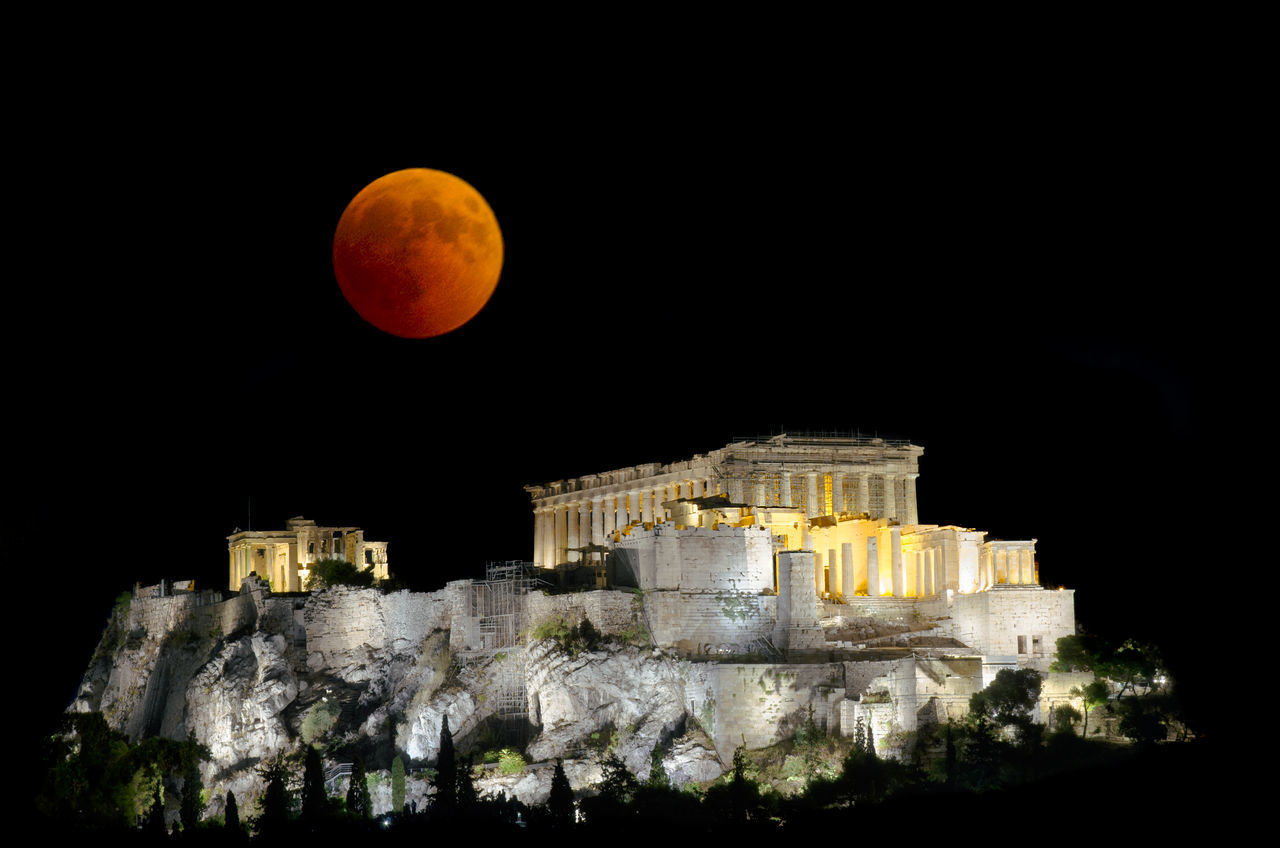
284,557
841,508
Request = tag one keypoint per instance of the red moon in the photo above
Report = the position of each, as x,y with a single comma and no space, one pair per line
417,253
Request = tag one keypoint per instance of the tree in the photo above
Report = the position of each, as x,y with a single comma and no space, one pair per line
1130,666
560,801
446,769
315,799
1010,698
1091,695
192,784
1076,653
657,774
397,784
155,819
232,821
338,572
617,782
273,806
358,802
465,791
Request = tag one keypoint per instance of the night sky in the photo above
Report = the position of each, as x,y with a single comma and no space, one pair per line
1029,280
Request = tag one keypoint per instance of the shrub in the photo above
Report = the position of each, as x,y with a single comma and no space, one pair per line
510,761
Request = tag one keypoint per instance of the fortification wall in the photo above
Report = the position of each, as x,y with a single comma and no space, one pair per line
610,611
723,622
764,703
343,619
700,559
992,621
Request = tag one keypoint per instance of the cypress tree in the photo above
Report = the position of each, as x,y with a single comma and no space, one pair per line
397,784
358,802
560,801
315,800
192,785
232,814
446,769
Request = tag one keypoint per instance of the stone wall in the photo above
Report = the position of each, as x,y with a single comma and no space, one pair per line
344,620
992,621
610,611
709,623
763,703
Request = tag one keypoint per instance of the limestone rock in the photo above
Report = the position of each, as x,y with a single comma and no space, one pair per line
640,693
234,704
692,760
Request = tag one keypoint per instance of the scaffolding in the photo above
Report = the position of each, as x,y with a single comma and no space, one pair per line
495,613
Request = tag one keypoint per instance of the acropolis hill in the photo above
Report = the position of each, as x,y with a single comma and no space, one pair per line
737,590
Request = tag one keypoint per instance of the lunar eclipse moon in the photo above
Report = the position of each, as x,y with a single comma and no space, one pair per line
417,253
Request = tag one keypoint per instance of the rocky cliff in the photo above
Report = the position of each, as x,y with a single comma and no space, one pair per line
357,670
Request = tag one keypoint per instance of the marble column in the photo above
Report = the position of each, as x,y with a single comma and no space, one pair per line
608,517
864,492
834,577
562,534
696,488
539,529
813,505
597,521
735,490
785,486
873,566
757,493
571,534
890,496
646,505
631,511
849,583
818,573
837,493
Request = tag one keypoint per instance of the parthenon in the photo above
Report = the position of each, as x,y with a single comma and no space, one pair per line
850,499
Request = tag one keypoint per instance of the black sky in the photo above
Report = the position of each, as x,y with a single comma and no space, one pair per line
1032,280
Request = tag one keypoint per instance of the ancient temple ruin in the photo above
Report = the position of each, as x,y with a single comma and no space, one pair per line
283,557
722,545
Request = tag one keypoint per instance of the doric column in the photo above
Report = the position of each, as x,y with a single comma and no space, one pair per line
785,486
910,487
864,492
757,492
894,540
837,492
571,534
562,534
539,530
609,515
631,510
890,497
834,578
547,556
817,574
873,566
735,490
848,582
695,488
813,505
597,521
646,506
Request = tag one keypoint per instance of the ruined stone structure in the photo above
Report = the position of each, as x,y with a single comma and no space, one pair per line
722,543
283,557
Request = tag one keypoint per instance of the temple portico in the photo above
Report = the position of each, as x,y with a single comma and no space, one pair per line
819,475
283,557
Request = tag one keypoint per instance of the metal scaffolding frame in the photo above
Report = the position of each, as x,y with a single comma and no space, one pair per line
496,604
